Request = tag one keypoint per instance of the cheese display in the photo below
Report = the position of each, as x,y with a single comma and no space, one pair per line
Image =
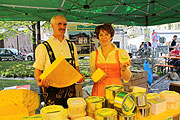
76,107
61,74
124,102
13,112
53,112
98,75
158,105
170,96
106,114
85,118
20,97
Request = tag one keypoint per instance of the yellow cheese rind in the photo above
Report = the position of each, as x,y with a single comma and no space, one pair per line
13,112
20,97
98,75
61,74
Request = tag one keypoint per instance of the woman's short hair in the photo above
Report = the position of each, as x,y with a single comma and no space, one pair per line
107,27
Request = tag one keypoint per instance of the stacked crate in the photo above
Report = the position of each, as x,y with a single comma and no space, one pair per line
138,78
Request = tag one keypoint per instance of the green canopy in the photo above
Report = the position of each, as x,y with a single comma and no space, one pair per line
124,12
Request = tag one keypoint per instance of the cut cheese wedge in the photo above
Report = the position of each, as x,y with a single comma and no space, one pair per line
98,75
13,112
61,74
21,97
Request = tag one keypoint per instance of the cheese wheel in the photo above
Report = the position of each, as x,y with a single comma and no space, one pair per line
13,112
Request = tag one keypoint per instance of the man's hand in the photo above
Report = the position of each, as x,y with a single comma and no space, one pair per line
42,83
82,79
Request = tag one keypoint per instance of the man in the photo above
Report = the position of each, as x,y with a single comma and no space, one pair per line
175,51
46,53
172,43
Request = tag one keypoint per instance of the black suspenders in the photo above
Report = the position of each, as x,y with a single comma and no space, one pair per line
51,53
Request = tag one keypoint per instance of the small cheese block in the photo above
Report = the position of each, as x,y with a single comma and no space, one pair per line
61,74
158,105
20,97
170,96
138,89
13,112
85,118
76,107
125,59
98,75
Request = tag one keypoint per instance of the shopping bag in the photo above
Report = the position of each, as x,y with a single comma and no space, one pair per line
148,69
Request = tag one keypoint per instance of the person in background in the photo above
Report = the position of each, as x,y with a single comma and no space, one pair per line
172,43
45,55
108,58
175,51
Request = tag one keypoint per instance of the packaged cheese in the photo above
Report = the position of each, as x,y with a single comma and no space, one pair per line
61,74
98,75
53,112
158,105
172,105
20,97
170,96
13,112
76,107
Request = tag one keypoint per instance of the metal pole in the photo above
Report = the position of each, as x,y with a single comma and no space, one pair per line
18,44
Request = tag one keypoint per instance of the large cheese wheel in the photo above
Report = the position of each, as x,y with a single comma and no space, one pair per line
61,74
13,112
20,97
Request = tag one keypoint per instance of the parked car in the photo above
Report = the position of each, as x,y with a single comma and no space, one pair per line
10,54
29,57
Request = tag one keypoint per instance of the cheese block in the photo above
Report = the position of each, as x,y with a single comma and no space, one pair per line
138,89
53,112
125,59
85,118
20,97
170,96
98,75
158,105
61,74
13,112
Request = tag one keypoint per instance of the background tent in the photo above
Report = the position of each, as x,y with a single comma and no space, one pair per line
124,12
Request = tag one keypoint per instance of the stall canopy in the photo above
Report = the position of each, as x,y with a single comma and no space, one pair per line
124,12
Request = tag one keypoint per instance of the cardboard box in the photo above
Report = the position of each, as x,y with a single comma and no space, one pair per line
78,88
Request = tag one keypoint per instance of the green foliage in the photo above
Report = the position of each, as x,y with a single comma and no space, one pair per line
16,69
12,28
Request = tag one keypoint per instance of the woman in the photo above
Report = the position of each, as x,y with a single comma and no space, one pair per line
109,58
